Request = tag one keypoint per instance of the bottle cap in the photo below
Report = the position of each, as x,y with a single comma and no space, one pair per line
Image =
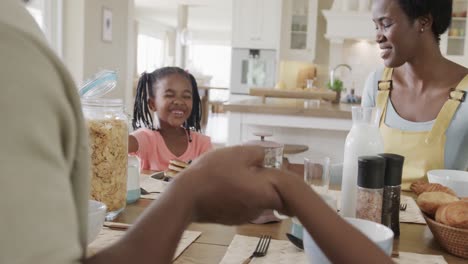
371,172
393,168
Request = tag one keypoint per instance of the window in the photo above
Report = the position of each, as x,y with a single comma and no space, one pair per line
212,60
36,9
150,53
48,15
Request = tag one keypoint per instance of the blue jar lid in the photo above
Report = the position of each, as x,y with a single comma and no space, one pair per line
99,85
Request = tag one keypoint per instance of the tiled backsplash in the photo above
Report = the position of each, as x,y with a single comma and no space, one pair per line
364,57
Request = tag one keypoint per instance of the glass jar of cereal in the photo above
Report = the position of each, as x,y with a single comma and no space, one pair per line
108,139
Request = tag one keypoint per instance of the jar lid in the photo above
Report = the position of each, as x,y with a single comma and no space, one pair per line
99,85
393,168
102,102
371,172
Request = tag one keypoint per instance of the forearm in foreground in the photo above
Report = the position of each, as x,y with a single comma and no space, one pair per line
156,234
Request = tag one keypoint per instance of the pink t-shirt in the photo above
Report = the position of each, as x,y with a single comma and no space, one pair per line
155,155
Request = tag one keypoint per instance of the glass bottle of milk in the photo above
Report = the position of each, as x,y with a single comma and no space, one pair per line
364,139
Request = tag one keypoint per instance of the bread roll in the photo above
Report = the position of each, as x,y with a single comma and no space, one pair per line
429,202
441,213
170,174
453,214
421,187
178,163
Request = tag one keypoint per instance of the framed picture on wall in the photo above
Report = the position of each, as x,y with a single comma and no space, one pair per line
106,24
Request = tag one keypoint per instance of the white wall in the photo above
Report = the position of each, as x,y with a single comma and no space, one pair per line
103,55
73,37
153,28
132,44
85,53
211,37
363,57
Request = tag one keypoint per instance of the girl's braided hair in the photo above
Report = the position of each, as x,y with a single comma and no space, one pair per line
142,115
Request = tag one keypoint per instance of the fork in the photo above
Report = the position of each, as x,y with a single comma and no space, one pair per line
261,249
403,207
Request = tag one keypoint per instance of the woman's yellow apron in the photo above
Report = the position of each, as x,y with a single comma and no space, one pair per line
423,150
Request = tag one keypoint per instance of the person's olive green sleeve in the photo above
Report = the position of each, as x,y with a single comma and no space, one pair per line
44,165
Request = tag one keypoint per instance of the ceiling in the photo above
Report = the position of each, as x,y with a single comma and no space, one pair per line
204,15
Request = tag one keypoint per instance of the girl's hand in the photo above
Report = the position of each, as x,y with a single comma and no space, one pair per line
230,185
132,144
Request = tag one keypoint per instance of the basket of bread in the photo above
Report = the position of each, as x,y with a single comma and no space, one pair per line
446,216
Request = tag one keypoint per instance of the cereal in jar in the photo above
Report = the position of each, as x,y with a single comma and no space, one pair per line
108,139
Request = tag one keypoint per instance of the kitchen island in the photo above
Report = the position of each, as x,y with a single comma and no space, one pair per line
322,127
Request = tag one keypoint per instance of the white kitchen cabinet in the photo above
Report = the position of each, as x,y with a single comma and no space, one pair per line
256,24
454,43
299,30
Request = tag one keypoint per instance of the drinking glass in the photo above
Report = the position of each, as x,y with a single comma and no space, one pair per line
317,173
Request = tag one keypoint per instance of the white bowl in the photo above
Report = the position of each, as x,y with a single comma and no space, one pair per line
96,216
454,179
381,235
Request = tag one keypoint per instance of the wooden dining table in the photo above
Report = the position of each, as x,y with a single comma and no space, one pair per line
211,246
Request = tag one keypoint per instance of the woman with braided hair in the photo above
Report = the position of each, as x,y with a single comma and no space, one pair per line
172,93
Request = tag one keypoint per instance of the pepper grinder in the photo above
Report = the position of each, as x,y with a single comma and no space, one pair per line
392,191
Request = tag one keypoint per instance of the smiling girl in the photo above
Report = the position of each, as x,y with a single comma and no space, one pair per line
173,94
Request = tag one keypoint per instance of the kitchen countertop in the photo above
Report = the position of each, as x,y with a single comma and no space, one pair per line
294,94
296,107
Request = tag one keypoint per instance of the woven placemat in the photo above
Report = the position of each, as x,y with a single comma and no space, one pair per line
413,258
109,236
412,214
283,252
280,251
